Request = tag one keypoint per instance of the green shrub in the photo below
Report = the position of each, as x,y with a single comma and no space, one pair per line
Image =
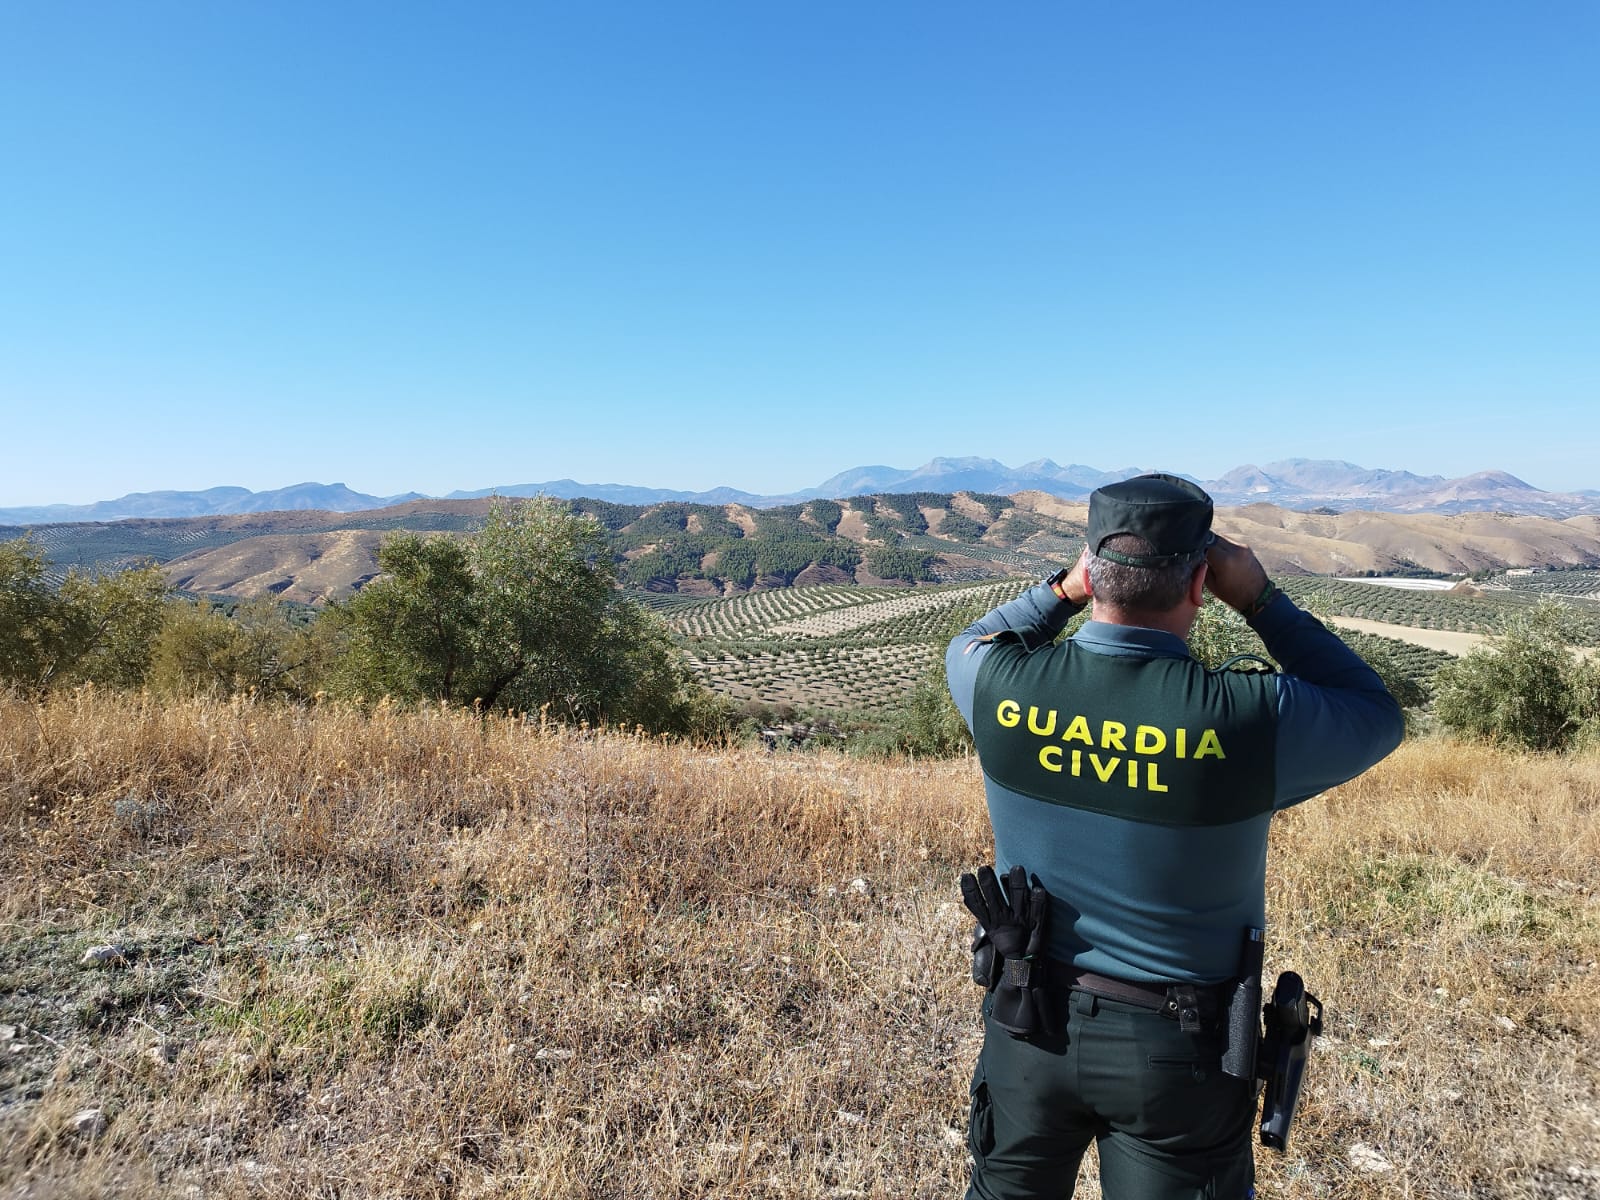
1525,688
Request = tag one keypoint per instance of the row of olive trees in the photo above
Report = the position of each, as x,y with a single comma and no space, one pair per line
1525,688
524,616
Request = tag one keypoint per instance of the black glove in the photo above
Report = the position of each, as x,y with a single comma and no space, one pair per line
1017,928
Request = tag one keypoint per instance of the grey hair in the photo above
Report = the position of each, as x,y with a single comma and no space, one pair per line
1138,589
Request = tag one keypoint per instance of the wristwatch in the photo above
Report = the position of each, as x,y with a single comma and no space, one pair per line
1056,582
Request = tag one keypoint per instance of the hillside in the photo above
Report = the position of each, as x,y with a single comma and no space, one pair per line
895,539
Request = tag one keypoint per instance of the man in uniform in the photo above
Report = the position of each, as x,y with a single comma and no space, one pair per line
1137,785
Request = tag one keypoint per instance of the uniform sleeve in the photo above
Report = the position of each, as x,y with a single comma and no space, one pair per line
1335,717
1034,618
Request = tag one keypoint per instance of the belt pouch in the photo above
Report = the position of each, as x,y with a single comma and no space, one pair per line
1243,1029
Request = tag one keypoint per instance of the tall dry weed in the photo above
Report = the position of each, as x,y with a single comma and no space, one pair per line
415,954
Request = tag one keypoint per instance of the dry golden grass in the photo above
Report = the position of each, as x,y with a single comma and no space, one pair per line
411,955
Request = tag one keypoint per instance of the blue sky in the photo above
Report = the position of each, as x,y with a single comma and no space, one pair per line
685,245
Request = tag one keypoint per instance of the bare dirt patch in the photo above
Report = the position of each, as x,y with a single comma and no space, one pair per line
1447,640
818,573
1074,512
698,587
853,526
964,504
311,568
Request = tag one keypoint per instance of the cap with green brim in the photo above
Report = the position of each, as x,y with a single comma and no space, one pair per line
1170,513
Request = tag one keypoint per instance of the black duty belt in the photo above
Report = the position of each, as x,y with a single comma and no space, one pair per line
1187,1003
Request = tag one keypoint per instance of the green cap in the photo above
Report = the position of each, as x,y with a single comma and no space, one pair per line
1170,513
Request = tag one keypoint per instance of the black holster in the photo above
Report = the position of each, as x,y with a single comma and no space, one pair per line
1293,1018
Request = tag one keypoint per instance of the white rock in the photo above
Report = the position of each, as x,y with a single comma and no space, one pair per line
1505,1023
553,1054
860,886
8,1033
104,956
952,1136
849,1118
88,1122
1364,1158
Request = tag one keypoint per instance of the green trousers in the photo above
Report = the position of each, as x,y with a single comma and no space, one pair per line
1167,1121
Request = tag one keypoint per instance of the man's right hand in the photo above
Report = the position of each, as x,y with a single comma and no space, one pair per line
1236,576
1076,583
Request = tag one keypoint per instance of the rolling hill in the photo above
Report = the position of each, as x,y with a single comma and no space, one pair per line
891,539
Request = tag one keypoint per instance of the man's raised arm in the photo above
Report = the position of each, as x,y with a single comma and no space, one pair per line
1034,618
1332,708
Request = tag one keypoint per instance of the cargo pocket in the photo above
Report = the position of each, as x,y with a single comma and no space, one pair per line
980,1120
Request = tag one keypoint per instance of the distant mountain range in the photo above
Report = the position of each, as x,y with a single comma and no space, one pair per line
217,501
1297,483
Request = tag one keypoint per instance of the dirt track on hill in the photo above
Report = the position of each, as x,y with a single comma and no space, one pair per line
1447,640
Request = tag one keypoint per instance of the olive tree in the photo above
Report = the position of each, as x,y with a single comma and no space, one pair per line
526,615
98,629
1525,687
259,650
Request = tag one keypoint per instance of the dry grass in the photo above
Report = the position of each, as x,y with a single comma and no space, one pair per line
409,955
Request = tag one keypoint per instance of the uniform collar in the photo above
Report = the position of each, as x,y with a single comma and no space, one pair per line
1105,638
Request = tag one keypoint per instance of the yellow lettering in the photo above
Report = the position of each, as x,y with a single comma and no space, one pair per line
1111,735
1078,731
1152,780
1147,739
1181,738
1033,722
1008,713
1133,774
1104,771
1209,745
1077,763
1050,758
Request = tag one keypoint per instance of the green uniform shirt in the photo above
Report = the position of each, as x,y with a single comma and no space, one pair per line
1139,785
1160,740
